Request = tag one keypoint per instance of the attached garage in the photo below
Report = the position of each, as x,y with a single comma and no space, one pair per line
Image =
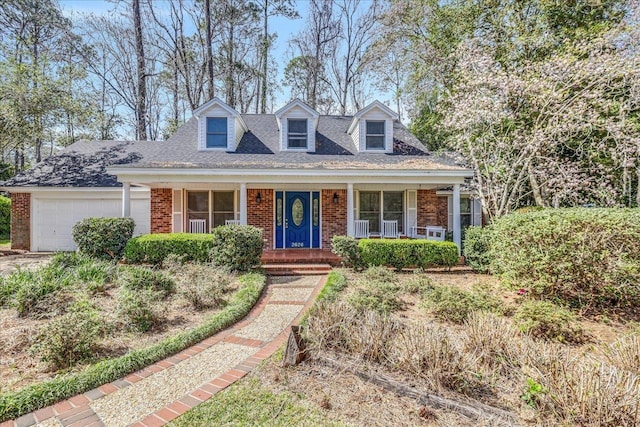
54,212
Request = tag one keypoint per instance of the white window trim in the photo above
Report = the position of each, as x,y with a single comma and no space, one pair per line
383,135
381,192
206,133
306,135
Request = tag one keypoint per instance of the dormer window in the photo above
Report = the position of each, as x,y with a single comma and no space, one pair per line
297,133
216,132
375,135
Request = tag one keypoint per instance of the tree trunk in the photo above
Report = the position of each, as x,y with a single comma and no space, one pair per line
265,57
535,187
207,18
141,103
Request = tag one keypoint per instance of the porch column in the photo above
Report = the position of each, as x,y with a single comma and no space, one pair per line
457,234
350,219
243,203
126,199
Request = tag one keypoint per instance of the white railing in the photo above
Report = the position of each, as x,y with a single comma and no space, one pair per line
231,222
390,229
361,228
435,233
198,226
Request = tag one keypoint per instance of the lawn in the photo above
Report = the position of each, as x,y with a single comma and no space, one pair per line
5,243
459,335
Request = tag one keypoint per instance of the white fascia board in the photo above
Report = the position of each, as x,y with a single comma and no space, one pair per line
297,103
71,189
232,111
150,175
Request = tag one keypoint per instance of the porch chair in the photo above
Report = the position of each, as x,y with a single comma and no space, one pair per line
435,233
197,226
231,222
361,228
390,229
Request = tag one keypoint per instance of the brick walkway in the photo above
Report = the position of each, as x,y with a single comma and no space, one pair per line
167,389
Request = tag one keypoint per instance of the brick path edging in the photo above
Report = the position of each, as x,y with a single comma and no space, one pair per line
76,412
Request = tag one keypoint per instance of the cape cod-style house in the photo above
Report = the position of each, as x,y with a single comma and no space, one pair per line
300,176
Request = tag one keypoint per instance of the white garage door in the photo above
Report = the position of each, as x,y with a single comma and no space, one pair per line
53,215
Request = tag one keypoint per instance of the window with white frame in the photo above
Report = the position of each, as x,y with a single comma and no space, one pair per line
216,132
215,207
465,212
296,133
375,134
376,206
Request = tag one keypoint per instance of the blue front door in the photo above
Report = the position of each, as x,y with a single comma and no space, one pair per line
297,221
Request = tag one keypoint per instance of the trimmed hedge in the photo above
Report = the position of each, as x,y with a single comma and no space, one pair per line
477,242
401,253
154,248
14,405
236,247
103,238
584,256
346,247
5,216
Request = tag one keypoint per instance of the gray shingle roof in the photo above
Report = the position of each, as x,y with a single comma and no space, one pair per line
84,163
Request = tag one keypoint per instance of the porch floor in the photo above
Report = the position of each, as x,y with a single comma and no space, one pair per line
300,256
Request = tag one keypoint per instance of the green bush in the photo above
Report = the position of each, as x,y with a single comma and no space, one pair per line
5,216
476,248
103,237
33,289
139,278
546,320
401,253
69,339
455,305
377,289
139,308
154,248
237,247
585,257
346,247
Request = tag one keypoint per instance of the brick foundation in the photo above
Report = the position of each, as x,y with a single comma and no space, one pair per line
427,208
21,221
161,210
261,215
334,216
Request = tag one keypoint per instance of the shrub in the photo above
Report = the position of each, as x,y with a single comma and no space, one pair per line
154,248
546,320
417,284
202,285
377,290
5,216
103,237
455,305
69,339
476,248
237,247
347,248
32,289
139,279
585,257
401,253
139,308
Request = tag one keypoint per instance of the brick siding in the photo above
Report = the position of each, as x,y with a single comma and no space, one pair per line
427,208
261,215
161,210
21,221
334,216
442,216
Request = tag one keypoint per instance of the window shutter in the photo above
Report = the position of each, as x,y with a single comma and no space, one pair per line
356,204
177,211
476,212
450,210
412,211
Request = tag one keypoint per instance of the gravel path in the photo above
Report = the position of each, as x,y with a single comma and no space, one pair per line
167,389
133,403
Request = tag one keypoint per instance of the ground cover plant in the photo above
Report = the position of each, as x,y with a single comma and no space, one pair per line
108,320
491,347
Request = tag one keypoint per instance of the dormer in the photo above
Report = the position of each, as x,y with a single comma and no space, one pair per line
372,128
297,123
220,127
